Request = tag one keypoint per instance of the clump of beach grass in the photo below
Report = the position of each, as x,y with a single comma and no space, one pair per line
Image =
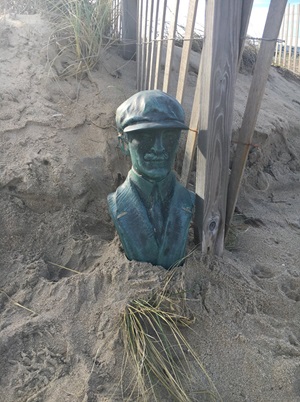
161,357
249,57
81,29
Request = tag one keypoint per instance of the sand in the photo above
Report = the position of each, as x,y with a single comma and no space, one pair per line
60,334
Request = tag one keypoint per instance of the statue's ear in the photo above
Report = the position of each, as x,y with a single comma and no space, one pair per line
123,143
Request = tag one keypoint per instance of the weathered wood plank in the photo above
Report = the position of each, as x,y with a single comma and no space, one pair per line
257,88
292,34
286,33
192,135
129,16
219,71
154,47
297,11
186,49
193,132
148,45
170,47
160,45
139,45
143,40
279,48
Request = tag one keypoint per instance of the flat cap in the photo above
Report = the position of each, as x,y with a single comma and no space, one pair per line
149,110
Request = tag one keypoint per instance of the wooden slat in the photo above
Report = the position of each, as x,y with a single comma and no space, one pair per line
219,70
291,37
138,46
257,88
186,49
160,44
153,48
148,45
281,35
120,19
170,47
286,34
144,36
192,135
297,36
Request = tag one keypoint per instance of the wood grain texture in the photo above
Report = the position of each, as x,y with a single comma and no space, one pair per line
257,88
219,70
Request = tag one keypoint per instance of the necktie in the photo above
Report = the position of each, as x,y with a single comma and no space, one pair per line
156,213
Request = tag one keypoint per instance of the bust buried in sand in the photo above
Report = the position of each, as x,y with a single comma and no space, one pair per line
151,210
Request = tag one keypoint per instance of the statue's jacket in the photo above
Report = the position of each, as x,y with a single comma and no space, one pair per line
161,239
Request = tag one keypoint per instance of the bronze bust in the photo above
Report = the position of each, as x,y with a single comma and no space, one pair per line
151,210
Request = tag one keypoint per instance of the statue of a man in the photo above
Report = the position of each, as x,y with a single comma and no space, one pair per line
151,210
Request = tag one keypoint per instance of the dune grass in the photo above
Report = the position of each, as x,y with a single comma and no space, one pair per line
160,355
81,29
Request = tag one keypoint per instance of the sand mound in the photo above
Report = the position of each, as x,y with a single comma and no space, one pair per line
58,163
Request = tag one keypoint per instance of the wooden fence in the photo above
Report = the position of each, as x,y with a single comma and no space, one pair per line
287,52
209,135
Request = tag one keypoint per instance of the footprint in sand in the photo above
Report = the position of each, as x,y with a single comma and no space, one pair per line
291,289
263,272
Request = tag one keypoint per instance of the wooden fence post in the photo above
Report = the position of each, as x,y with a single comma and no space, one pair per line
129,25
194,122
257,88
219,70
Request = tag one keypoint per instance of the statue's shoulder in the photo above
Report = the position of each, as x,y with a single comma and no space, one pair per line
186,197
119,200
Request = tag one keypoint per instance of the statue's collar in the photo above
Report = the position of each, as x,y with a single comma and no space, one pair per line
164,187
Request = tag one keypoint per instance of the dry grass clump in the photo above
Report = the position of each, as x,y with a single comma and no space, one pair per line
81,32
197,40
249,57
20,6
162,359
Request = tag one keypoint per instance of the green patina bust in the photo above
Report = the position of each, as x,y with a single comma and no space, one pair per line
151,210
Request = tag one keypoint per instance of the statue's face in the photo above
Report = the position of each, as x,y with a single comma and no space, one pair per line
153,152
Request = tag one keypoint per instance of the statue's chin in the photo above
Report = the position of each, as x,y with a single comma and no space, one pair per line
153,171
156,174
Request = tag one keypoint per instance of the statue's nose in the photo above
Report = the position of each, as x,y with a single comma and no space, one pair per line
158,146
